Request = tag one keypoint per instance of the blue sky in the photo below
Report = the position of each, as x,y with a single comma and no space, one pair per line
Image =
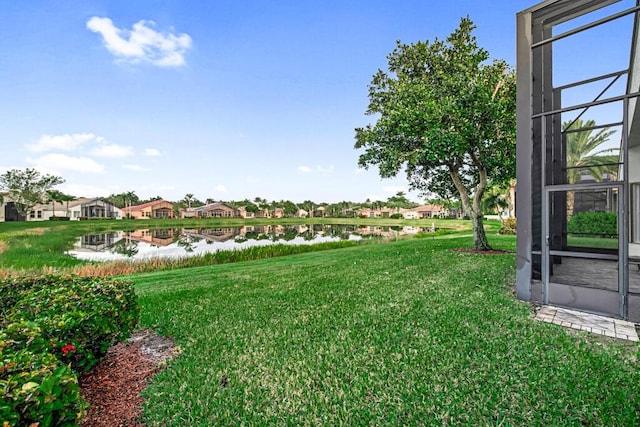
223,99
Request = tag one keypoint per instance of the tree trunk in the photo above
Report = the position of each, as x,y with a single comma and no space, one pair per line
473,209
480,242
571,200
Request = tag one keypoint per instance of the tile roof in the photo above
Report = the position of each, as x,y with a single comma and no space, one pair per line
143,206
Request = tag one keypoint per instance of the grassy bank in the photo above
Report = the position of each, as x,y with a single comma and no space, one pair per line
41,246
406,333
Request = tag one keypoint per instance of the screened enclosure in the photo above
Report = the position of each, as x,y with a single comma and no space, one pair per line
578,156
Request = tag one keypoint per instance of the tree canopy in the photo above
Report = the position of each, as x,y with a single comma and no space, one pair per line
27,188
121,200
447,117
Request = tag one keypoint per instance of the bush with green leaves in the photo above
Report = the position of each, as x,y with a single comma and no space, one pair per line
593,223
86,313
508,226
50,328
35,386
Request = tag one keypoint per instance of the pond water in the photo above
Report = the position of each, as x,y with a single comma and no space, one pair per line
184,242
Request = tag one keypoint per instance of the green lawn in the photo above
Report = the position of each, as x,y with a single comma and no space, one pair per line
403,333
592,242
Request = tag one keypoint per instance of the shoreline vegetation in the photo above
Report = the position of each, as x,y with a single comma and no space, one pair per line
39,247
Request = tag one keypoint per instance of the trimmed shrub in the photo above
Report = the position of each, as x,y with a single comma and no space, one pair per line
88,313
508,226
593,223
396,216
50,328
36,388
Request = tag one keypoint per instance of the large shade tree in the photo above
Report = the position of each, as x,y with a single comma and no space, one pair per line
26,188
446,115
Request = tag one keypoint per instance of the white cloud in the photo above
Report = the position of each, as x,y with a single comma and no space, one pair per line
393,189
66,142
318,169
221,188
112,151
136,168
359,171
151,152
87,190
142,43
56,162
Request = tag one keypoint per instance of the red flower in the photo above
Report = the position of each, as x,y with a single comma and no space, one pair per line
68,348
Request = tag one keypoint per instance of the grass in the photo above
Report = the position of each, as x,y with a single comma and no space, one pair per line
126,267
592,242
405,333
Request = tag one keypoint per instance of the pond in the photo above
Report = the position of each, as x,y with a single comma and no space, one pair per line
184,242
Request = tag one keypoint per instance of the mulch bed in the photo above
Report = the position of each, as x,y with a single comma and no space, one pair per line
113,386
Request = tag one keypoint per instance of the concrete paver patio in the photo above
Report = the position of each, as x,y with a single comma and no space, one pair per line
593,323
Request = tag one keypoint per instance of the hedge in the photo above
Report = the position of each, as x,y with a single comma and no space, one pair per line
36,387
593,223
51,328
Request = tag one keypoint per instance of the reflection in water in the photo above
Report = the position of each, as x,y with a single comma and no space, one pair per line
181,242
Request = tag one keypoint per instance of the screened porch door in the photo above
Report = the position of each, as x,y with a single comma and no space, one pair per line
583,257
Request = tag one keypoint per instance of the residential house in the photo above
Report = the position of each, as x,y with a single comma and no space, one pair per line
384,212
261,213
430,211
81,208
8,211
154,209
215,210
188,213
409,214
319,212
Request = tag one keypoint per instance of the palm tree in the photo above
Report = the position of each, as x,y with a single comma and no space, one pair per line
53,197
67,198
495,199
188,198
585,154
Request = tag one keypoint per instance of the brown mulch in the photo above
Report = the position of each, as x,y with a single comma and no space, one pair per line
113,386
